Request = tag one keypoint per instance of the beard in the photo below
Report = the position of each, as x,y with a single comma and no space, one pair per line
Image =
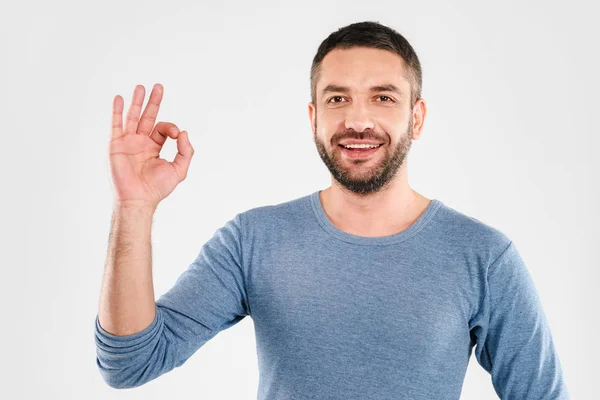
369,179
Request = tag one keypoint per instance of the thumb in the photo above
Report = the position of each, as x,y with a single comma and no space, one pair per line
185,151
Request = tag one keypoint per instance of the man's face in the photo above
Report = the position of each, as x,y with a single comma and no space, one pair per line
350,107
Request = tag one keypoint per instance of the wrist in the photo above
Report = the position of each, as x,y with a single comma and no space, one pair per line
134,205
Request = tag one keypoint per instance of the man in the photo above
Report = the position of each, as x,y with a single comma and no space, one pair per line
364,290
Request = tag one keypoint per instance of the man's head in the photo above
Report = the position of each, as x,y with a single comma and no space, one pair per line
365,86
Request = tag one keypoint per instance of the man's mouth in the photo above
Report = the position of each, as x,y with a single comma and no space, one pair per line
360,147
359,150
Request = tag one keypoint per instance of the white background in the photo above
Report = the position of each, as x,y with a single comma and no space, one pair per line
510,138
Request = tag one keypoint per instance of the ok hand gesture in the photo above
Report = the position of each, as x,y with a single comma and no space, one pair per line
139,176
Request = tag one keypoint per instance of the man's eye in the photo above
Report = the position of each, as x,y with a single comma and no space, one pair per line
389,98
334,97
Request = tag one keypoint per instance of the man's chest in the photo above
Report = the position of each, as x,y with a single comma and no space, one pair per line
386,296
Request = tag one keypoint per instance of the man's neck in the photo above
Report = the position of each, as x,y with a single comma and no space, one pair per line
384,213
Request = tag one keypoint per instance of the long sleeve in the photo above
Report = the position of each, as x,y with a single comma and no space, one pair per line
208,297
514,342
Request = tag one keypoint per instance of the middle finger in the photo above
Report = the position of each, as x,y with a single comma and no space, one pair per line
151,111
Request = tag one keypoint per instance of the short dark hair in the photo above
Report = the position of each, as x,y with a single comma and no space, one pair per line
375,35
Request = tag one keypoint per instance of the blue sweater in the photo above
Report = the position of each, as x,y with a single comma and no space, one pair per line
340,316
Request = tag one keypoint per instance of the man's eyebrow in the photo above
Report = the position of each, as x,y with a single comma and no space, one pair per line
378,88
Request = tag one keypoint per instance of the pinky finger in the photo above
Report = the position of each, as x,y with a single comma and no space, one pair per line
117,118
185,151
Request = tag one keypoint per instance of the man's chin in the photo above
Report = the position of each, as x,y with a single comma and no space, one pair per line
357,180
359,171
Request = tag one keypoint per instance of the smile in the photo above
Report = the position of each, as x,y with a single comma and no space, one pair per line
358,152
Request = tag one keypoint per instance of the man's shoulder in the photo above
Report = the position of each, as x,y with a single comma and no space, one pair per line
464,228
282,212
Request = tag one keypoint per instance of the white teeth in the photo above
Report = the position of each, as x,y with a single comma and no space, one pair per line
360,146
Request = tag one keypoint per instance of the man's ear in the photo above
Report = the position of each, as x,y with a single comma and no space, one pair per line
311,116
419,112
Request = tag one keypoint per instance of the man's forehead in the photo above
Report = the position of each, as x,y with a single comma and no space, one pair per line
362,68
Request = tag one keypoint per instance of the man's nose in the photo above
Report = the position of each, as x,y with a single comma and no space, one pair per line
358,117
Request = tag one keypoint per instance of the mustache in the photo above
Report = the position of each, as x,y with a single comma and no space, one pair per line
352,134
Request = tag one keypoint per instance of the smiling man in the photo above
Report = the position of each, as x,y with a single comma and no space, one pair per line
353,113
363,290
369,109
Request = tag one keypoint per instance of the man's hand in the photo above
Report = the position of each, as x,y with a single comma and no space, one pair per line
139,176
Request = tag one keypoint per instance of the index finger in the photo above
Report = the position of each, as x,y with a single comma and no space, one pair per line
151,111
